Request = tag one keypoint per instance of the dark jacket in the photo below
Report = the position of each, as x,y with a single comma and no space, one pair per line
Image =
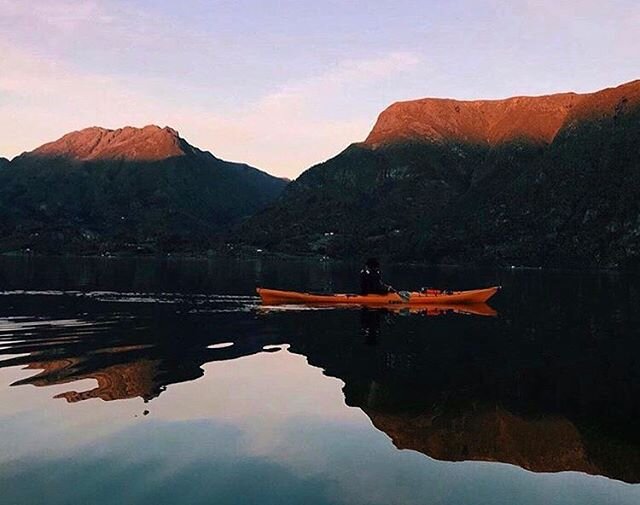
371,284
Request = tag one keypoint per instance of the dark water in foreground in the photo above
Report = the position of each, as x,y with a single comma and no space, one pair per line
165,382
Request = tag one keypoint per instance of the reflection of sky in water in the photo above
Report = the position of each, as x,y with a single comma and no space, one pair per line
260,429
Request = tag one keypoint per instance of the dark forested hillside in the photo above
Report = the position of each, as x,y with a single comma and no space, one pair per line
133,188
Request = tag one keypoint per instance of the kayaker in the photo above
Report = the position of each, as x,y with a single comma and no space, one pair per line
370,279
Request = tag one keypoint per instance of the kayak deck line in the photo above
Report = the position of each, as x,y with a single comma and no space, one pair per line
431,297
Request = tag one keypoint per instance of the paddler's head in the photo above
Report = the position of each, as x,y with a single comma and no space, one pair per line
373,264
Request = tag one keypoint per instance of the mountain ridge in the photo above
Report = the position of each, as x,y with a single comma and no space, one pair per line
491,121
150,143
475,121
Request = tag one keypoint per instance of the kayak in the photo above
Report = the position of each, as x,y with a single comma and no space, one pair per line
429,297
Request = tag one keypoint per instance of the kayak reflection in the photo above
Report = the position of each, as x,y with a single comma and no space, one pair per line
372,318
476,309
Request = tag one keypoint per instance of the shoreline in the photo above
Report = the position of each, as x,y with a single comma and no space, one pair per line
247,255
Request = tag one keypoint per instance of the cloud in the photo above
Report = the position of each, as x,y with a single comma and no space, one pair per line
575,15
61,14
41,99
301,98
289,129
68,17
93,33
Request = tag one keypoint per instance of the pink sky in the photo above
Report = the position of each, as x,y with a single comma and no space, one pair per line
284,85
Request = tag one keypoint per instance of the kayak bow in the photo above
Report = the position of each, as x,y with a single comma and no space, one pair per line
430,297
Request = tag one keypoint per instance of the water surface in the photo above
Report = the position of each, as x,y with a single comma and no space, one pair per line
163,381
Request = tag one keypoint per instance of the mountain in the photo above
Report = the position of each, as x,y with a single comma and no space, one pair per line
146,189
548,180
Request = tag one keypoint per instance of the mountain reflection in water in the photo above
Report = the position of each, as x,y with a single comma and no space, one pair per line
548,387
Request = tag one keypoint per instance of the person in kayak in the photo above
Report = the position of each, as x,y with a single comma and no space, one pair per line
370,279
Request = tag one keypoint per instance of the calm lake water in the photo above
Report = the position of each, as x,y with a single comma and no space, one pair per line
138,381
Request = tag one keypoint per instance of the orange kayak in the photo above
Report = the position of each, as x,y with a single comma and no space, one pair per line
430,297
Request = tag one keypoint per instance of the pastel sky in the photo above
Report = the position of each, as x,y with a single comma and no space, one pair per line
285,84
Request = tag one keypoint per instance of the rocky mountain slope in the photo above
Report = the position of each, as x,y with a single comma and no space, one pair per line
550,180
145,189
483,122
